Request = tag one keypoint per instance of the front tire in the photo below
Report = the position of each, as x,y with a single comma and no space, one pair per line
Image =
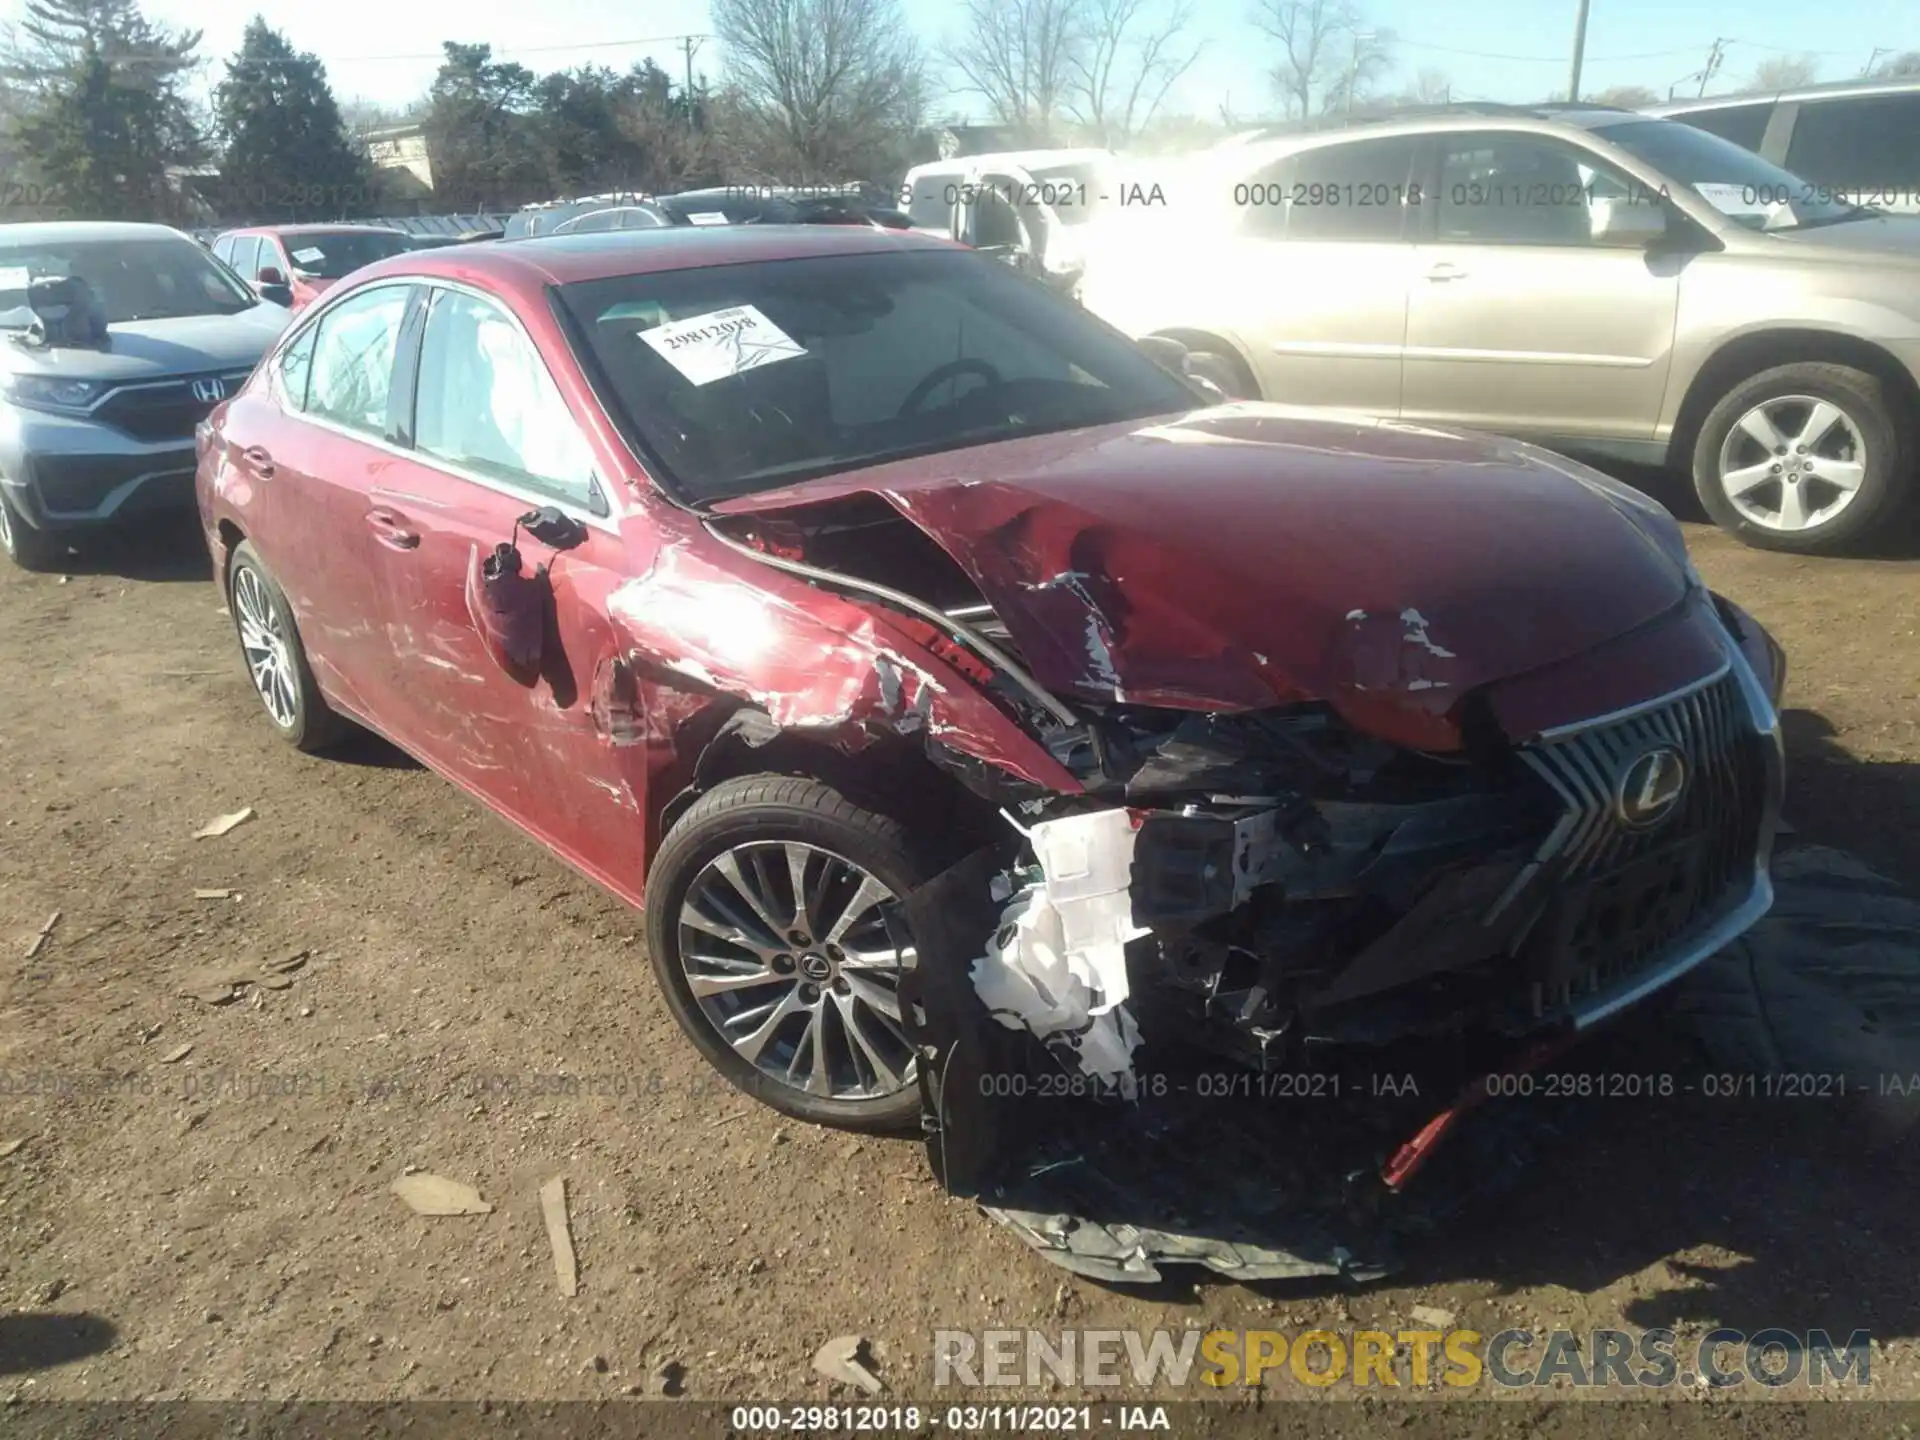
31,549
765,929
1808,457
276,661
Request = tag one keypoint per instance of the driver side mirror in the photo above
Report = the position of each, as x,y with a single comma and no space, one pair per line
1628,222
270,275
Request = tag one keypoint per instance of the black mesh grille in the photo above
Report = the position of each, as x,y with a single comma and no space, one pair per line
1628,894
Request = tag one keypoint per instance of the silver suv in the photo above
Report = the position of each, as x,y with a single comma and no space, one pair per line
115,342
1592,280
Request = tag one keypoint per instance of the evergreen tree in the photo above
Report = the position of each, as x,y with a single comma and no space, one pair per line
286,156
100,111
482,142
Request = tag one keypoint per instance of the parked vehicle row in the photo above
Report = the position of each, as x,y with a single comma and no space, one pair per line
1589,279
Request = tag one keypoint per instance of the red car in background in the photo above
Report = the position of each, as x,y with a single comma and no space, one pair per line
295,264
769,576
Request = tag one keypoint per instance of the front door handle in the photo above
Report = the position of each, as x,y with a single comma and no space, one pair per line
259,461
1445,271
390,530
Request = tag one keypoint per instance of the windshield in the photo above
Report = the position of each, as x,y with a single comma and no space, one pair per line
167,277
328,255
1736,182
745,377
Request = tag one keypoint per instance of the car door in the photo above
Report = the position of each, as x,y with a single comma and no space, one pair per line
492,439
311,447
1314,273
1518,320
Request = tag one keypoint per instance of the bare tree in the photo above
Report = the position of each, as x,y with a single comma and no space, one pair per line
1904,66
1329,53
822,89
1784,72
1128,60
1021,57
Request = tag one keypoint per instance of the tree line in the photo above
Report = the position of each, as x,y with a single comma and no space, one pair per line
100,117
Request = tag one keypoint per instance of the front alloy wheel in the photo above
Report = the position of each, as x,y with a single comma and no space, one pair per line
768,929
786,952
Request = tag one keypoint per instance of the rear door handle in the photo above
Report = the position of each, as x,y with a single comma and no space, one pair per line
390,530
1445,271
258,461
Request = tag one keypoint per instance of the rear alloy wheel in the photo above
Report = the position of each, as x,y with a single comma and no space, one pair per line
1804,457
276,660
766,927
30,549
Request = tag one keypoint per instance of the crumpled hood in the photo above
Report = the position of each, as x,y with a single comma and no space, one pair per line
1248,556
157,349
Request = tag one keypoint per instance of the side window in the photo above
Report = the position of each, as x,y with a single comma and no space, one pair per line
352,366
244,250
296,366
1744,125
1351,192
270,254
1517,190
223,249
484,400
1872,141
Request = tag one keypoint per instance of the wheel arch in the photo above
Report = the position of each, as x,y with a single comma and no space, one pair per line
1747,355
893,776
231,536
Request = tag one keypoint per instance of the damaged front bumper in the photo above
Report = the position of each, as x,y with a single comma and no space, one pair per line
1480,913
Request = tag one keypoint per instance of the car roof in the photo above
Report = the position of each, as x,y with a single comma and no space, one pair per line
1025,159
567,259
1279,140
322,228
1827,90
54,232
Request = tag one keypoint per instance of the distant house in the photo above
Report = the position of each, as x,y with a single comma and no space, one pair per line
399,153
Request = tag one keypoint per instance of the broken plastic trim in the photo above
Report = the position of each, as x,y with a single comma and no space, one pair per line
972,639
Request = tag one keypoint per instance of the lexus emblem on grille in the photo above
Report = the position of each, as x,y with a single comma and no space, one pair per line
210,391
1650,789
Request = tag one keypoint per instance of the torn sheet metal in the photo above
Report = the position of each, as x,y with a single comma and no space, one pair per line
811,661
1057,964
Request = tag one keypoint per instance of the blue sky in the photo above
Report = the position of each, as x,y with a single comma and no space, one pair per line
1489,49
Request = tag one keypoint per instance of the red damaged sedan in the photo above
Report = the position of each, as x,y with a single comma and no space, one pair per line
774,576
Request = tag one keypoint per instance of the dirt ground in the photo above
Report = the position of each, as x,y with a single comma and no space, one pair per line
220,1224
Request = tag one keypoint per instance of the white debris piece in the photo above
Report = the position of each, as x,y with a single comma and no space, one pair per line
1057,964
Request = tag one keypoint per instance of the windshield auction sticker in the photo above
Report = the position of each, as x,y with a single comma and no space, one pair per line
720,343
